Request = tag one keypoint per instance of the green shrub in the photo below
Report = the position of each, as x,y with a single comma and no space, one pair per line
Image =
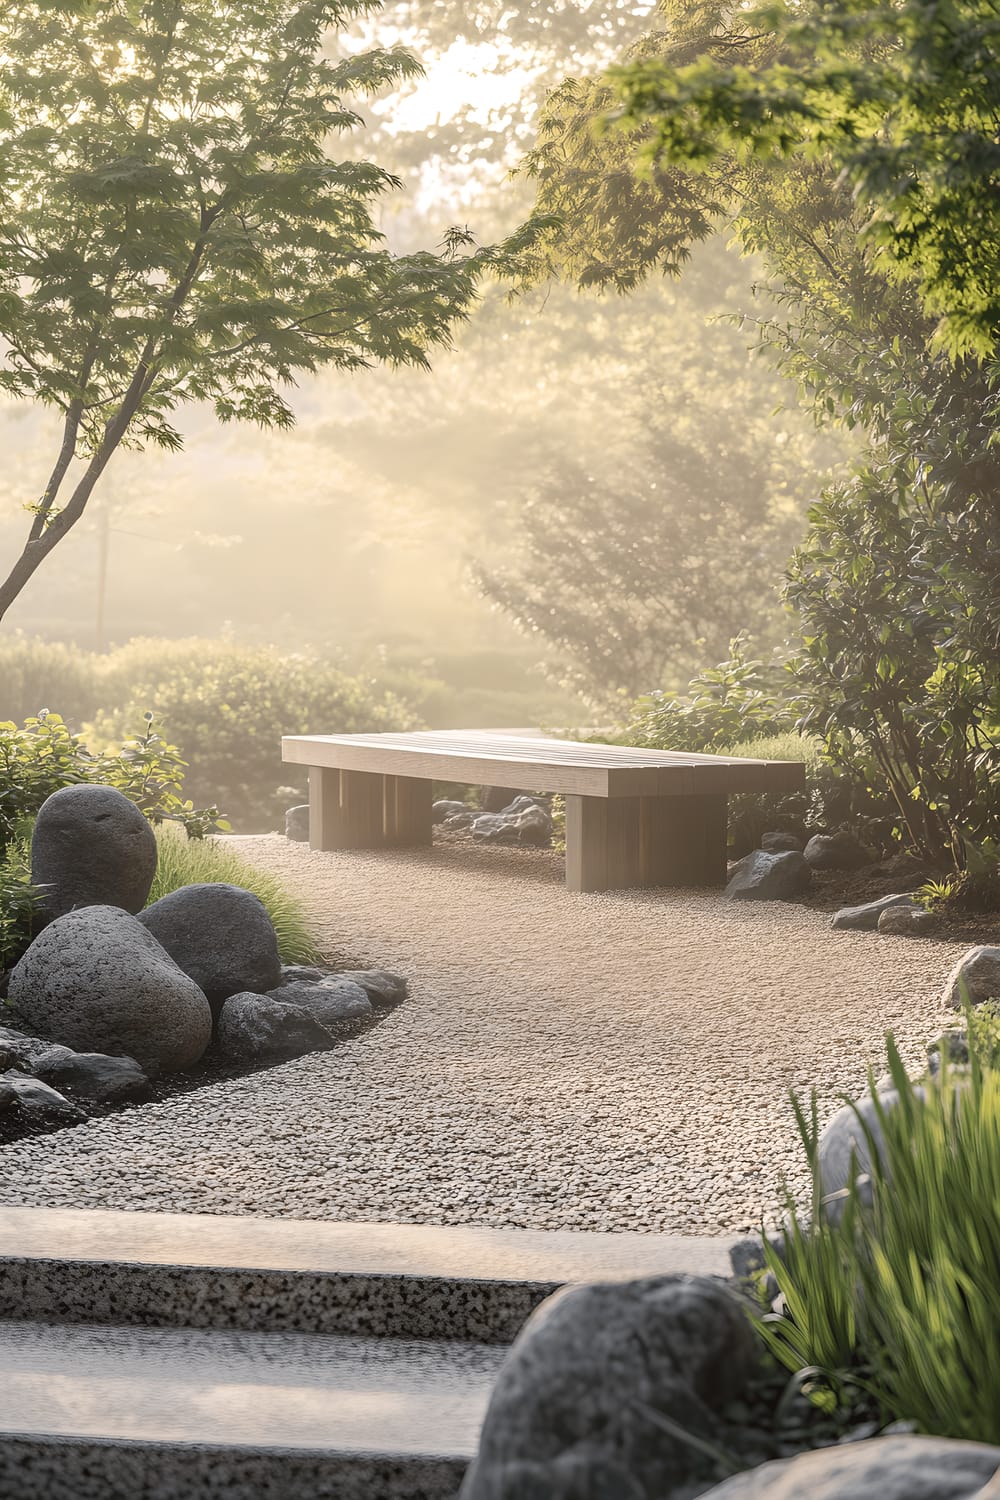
44,756
740,699
227,707
901,1300
36,675
19,902
184,861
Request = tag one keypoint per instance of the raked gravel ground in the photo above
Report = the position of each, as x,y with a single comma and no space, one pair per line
590,1062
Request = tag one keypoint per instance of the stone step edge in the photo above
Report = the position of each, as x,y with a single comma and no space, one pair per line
371,1279
67,1468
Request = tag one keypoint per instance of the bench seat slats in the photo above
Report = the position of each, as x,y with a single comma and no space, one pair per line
567,766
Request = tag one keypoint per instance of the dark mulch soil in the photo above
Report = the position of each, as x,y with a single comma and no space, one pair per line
832,889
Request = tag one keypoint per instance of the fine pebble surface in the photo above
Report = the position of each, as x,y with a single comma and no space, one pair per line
612,1062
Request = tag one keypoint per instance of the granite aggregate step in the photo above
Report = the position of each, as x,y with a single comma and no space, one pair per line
116,1413
359,1279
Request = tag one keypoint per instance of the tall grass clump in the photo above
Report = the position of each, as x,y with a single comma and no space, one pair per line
900,1298
183,861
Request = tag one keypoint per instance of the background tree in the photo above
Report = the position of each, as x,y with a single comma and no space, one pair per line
172,229
896,585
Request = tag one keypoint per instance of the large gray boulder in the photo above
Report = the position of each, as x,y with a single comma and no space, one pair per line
891,1468
220,935
866,918
262,1029
837,851
91,846
844,1136
97,980
769,877
574,1411
975,978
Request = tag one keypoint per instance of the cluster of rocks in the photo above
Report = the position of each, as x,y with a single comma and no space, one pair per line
525,819
782,868
784,865
112,994
502,817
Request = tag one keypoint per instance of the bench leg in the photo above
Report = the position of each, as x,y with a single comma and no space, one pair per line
602,843
408,802
684,840
617,843
345,809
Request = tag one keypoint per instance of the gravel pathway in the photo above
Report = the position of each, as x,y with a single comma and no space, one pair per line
584,1062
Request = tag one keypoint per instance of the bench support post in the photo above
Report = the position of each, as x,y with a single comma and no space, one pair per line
602,843
408,802
345,809
614,843
684,840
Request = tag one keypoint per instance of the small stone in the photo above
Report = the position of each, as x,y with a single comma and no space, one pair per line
447,808
836,851
781,843
297,823
93,1075
332,1001
907,921
974,979
769,877
382,986
91,846
866,918
290,973
259,1029
38,1104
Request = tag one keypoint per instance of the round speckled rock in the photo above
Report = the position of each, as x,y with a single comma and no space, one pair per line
590,1362
91,846
258,1029
220,935
97,980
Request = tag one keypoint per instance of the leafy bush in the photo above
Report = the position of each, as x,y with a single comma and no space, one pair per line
899,1302
45,756
818,805
36,675
19,902
183,861
227,706
740,699
896,588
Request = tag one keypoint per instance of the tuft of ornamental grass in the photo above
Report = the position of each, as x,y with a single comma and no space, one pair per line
902,1297
183,861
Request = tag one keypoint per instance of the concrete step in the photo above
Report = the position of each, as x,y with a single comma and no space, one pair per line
267,1275
116,1413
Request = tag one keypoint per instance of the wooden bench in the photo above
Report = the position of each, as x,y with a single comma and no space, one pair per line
633,817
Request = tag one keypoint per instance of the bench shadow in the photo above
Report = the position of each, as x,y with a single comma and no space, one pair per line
535,866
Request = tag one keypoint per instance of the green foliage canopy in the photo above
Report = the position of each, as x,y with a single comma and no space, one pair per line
172,228
901,95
